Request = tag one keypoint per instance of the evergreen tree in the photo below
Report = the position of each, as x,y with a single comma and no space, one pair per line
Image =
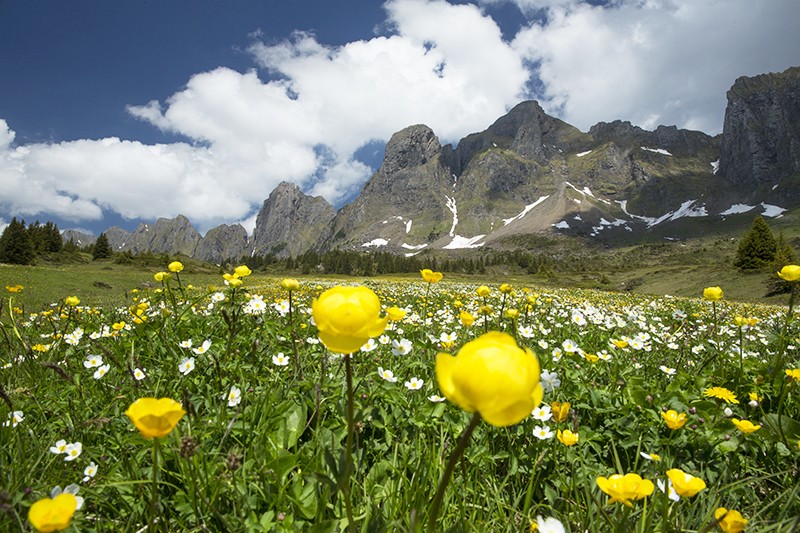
784,255
757,248
15,244
101,248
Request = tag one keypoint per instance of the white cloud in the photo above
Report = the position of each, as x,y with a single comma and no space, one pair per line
655,61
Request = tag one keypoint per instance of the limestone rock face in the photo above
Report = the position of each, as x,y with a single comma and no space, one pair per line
289,223
224,242
761,136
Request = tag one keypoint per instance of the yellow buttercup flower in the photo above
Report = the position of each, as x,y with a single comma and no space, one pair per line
624,488
430,276
290,284
483,291
721,393
466,318
559,411
175,266
53,514
493,376
685,484
619,343
567,437
790,273
14,288
745,426
730,521
395,314
161,276
712,294
674,419
72,301
505,288
513,314
242,271
592,358
155,417
793,373
347,317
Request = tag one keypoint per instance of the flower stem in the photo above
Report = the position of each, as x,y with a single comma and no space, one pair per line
463,440
154,495
348,451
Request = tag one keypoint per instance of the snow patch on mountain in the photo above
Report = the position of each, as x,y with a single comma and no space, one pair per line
735,209
507,221
587,152
451,205
376,243
656,150
772,211
460,242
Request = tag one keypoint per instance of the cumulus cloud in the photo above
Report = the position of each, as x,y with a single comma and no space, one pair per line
653,61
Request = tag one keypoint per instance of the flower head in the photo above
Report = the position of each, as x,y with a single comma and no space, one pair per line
483,291
712,294
186,366
414,384
567,437
155,417
674,419
72,301
685,484
175,266
290,284
53,514
466,318
793,373
730,521
493,376
234,396
790,273
745,426
347,317
242,271
395,314
624,488
560,410
721,393
430,276
280,359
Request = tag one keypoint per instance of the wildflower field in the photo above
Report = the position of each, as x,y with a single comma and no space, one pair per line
398,406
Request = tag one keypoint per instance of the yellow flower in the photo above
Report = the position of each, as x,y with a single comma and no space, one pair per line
685,484
53,514
155,417
624,488
730,521
39,348
712,293
232,280
567,437
430,276
513,314
721,393
72,301
621,343
395,314
483,291
790,273
505,288
674,419
793,373
347,317
745,426
118,326
175,266
14,288
161,276
592,358
493,376
290,284
560,411
466,318
242,271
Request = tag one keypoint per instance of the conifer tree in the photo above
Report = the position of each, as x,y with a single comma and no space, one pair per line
757,248
784,255
15,244
102,248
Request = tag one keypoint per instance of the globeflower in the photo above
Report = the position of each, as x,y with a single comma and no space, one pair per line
560,411
493,376
430,276
567,437
72,301
674,419
347,317
790,273
395,314
624,488
466,318
242,271
53,514
712,294
483,291
685,484
161,276
290,284
175,266
745,426
155,417
730,521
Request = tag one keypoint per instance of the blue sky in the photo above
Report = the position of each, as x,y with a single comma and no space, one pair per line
118,112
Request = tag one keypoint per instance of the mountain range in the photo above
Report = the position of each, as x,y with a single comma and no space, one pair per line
528,174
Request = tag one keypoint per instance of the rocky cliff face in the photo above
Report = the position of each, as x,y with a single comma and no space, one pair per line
167,235
761,136
225,242
289,222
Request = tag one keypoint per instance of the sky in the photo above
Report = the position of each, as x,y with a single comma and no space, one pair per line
115,113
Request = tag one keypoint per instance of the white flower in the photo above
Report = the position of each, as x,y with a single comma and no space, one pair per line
60,447
234,397
186,344
525,332
667,370
549,525
401,347
414,384
255,306
542,432
578,318
668,487
281,307
89,472
14,418
388,375
448,337
570,346
73,451
139,374
384,339
549,380
557,353
203,348
604,355
101,371
543,344
93,361
436,398
218,297
369,345
186,366
280,360
543,413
